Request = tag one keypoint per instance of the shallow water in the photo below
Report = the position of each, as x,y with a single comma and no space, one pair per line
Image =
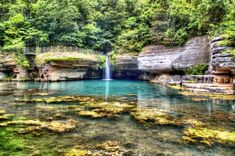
134,137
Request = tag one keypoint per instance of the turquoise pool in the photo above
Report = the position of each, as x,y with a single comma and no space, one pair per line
120,133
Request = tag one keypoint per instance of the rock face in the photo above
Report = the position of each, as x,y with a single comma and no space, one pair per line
68,71
54,66
221,63
161,59
126,67
7,65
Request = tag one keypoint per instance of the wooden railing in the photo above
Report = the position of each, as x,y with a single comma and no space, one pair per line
57,49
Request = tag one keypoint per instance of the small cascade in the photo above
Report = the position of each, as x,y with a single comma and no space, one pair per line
107,69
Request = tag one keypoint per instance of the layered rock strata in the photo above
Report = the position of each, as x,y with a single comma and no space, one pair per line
161,59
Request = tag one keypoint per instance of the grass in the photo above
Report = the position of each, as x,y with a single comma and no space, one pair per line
65,57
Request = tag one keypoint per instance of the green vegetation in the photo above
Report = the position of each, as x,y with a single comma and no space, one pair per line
66,57
101,60
21,60
127,25
10,144
230,51
196,70
208,136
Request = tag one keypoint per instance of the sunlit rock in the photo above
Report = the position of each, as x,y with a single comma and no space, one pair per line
157,117
104,109
59,99
78,152
209,136
161,59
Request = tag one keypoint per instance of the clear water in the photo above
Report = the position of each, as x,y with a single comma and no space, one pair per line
133,136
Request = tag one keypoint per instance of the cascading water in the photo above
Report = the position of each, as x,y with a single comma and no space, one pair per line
107,69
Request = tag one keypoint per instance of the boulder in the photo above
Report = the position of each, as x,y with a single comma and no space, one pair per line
161,59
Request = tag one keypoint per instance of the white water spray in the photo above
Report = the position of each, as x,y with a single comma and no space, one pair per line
107,69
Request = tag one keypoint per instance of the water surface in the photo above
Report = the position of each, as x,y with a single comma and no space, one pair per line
136,138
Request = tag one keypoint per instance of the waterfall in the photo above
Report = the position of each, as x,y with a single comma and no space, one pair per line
107,69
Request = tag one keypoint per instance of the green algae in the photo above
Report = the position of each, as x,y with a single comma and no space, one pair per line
59,99
53,126
208,136
77,152
10,143
155,116
104,109
208,95
112,148
92,114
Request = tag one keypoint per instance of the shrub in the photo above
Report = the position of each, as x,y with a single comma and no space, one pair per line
21,60
196,70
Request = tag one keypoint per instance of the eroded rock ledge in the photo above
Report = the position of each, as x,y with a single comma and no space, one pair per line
67,66
160,59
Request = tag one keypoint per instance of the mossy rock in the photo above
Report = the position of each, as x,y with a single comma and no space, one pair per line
77,152
53,126
103,109
59,99
66,57
208,136
156,117
91,114
208,95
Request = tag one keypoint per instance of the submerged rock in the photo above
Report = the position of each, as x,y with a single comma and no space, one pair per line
59,126
54,126
92,114
108,148
208,136
59,99
103,109
2,111
78,152
157,117
208,95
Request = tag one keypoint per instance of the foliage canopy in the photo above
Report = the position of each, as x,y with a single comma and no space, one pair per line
128,25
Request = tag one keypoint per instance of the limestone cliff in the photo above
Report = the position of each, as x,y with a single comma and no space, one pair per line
221,62
161,59
126,67
67,66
